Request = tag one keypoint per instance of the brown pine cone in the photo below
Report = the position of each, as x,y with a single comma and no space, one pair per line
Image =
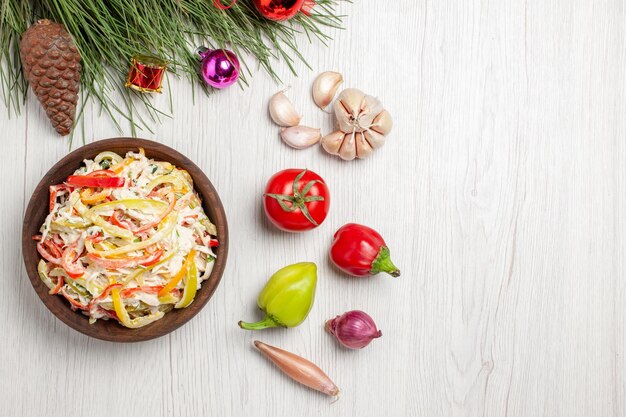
51,64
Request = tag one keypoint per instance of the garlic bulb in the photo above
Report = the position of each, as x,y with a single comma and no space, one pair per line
300,137
282,111
324,88
363,124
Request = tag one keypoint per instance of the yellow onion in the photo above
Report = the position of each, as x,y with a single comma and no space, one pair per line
354,329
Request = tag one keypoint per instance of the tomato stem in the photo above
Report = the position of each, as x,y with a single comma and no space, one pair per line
299,198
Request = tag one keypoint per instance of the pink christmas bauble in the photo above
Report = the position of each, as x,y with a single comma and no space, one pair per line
220,67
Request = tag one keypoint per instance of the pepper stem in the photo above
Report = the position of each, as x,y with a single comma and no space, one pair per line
383,263
266,323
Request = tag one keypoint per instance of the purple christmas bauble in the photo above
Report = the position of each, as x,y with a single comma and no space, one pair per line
220,68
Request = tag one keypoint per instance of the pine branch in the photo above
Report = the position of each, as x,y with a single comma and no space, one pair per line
15,17
109,32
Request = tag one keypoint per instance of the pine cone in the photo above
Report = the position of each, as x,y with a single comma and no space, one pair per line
51,64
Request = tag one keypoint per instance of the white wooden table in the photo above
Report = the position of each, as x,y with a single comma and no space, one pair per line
501,192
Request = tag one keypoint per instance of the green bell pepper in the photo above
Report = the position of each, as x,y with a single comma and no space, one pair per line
287,297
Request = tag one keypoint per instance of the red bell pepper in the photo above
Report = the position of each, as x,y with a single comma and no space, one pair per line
60,283
56,239
44,250
103,178
105,293
54,190
360,251
125,224
213,243
95,238
154,257
150,289
70,262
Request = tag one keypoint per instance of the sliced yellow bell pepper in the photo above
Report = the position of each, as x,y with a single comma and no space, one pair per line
170,178
191,285
185,176
169,299
115,158
179,275
165,229
166,166
142,204
82,224
97,220
43,274
123,316
105,245
210,227
87,195
119,167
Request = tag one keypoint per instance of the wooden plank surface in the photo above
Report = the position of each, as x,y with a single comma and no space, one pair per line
500,192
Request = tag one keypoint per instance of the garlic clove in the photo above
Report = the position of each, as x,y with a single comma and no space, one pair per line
351,99
325,87
382,123
347,108
300,137
282,111
370,108
332,142
347,151
363,148
375,139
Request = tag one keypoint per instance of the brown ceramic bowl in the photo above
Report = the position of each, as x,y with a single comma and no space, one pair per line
38,210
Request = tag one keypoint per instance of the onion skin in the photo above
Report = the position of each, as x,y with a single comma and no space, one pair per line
354,329
299,369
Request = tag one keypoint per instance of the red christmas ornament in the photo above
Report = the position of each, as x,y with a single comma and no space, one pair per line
146,74
278,10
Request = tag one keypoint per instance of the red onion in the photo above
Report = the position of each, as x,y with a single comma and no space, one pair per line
354,329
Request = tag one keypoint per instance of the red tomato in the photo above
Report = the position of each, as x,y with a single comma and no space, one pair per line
296,200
